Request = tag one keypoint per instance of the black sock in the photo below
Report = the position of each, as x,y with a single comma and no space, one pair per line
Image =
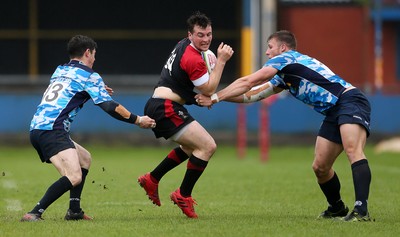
174,158
331,190
75,193
362,181
56,190
195,168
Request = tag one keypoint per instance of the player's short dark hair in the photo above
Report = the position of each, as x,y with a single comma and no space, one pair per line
199,19
285,36
78,44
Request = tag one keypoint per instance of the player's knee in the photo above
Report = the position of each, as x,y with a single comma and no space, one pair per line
75,179
354,154
85,159
209,148
212,147
320,171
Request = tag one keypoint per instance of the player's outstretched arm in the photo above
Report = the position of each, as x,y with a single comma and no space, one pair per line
121,113
206,101
244,84
247,89
256,93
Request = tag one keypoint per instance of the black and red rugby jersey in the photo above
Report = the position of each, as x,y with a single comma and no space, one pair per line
184,65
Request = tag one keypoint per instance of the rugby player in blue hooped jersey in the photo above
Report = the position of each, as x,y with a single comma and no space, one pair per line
71,85
346,110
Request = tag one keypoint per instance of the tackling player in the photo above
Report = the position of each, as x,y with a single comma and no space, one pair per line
346,109
71,86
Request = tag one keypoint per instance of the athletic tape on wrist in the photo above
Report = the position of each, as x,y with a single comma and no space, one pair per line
214,97
258,93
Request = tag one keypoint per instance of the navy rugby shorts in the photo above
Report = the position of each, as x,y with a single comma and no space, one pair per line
50,142
169,116
352,107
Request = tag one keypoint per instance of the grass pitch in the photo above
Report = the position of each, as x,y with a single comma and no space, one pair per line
236,197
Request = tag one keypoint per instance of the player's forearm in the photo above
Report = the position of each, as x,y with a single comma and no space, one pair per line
244,84
215,78
229,93
258,93
119,112
237,99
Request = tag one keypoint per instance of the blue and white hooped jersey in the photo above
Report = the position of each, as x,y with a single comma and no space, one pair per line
71,85
307,79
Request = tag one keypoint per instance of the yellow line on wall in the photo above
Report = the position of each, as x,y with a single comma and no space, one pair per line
246,54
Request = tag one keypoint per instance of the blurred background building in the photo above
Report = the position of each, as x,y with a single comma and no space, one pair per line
359,40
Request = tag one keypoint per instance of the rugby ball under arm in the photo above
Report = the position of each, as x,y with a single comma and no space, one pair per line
210,59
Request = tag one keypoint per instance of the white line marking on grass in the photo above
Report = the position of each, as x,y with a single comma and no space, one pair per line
122,203
13,205
9,184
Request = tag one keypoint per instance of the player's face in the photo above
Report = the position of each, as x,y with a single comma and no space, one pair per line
91,58
275,48
201,37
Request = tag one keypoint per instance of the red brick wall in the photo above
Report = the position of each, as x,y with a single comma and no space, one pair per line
342,37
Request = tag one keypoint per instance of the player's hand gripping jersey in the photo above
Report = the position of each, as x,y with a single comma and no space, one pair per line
184,69
307,79
71,85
